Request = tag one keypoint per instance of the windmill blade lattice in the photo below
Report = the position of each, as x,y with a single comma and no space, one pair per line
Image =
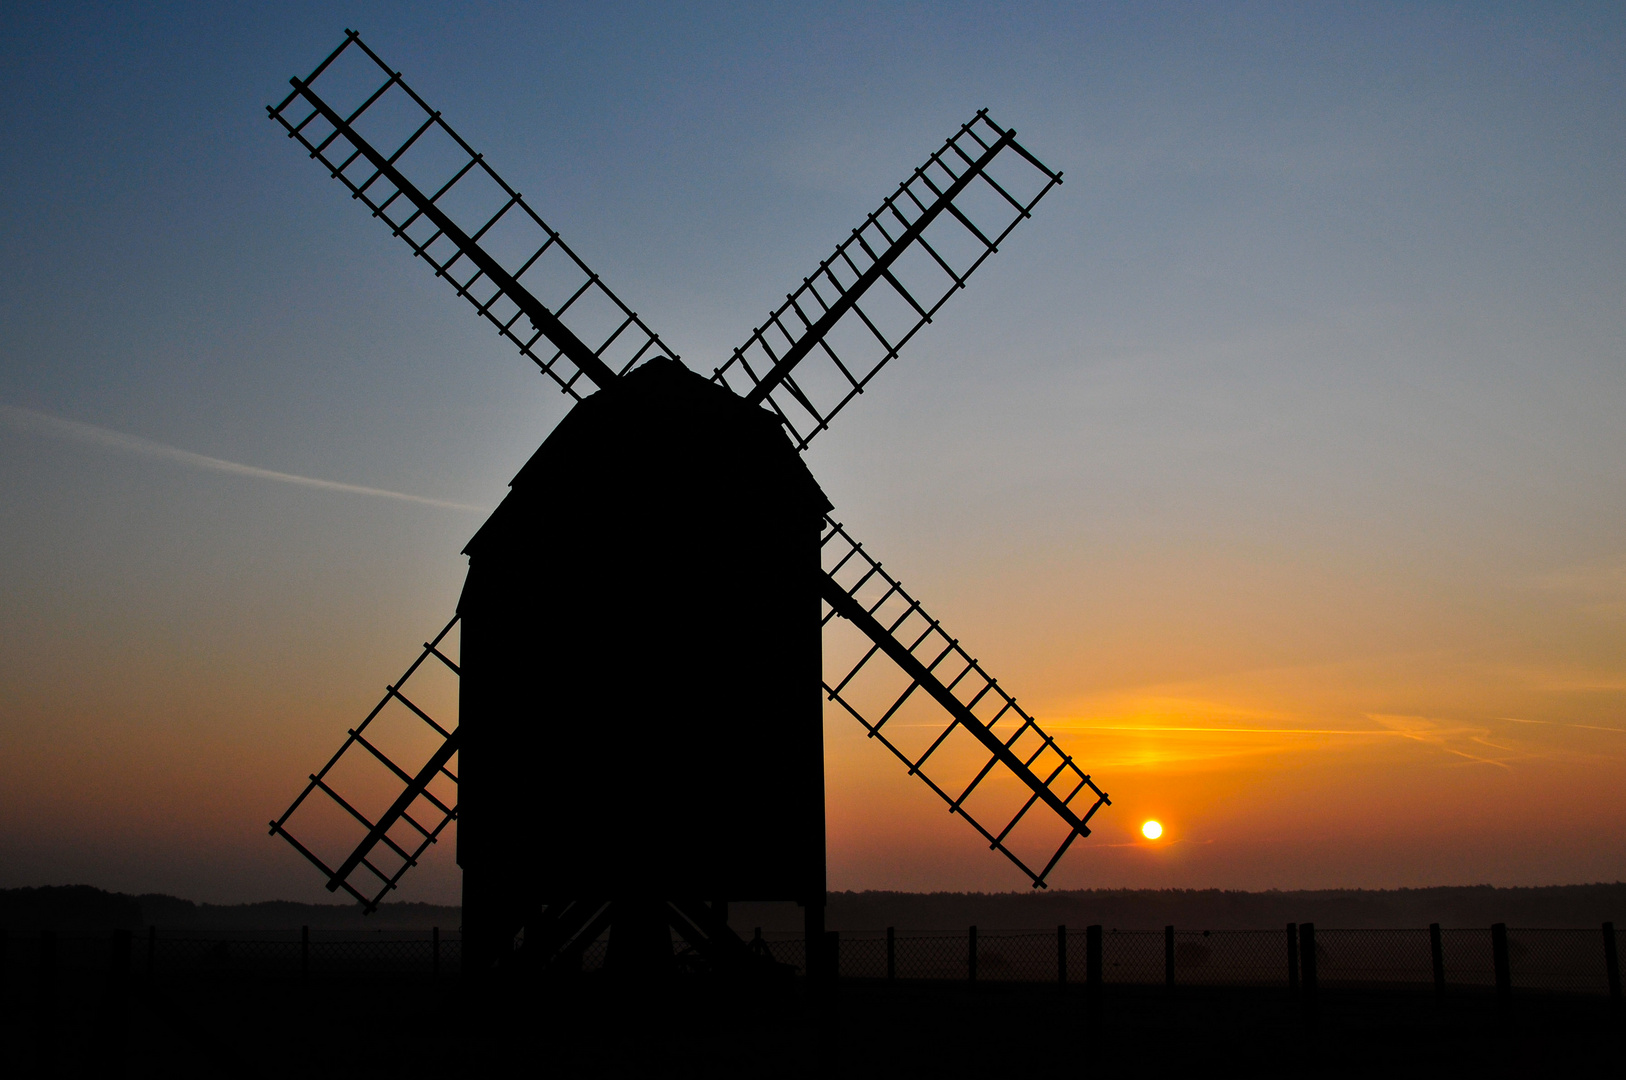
922,244
391,790
398,157
992,763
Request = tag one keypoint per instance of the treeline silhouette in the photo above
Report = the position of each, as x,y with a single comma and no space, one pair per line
1559,906
71,907
84,907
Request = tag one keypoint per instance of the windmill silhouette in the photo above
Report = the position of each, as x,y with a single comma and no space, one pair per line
639,738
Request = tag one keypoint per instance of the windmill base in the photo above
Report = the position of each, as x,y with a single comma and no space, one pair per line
553,939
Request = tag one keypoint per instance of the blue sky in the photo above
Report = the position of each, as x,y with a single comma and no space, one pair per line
1314,362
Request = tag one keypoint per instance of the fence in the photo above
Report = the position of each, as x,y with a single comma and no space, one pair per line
1572,961
1568,961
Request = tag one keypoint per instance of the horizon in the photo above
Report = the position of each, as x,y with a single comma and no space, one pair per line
860,892
1276,467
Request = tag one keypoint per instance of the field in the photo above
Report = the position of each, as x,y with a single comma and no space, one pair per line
273,1006
396,1028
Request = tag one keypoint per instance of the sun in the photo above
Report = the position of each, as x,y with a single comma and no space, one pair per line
1151,830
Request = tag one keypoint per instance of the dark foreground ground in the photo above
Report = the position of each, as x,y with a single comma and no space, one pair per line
355,1029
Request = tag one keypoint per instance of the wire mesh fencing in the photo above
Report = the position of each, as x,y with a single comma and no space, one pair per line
1374,958
1562,960
1570,961
47,960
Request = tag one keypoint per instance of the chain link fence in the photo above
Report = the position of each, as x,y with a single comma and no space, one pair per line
1547,960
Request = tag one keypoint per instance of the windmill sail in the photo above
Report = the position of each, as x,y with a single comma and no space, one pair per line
405,164
991,762
373,815
921,244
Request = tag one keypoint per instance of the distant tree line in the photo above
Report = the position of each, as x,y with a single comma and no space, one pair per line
71,907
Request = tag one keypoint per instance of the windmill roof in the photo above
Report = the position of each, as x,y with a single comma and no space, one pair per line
660,399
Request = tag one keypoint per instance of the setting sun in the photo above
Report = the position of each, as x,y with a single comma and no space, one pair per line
1151,830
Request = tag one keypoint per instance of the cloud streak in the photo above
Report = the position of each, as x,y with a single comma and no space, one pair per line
57,427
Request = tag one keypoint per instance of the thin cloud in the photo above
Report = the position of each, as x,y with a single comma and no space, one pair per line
1222,730
58,427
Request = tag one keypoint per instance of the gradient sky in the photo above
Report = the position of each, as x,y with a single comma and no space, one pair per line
1279,466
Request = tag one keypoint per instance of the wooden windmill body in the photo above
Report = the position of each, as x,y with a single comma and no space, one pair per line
640,662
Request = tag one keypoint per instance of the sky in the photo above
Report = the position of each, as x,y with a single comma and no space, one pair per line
1278,466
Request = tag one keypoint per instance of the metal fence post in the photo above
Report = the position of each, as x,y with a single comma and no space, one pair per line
5,984
1168,957
891,955
1504,973
152,951
1092,957
1307,973
1061,953
434,953
113,1017
1292,958
304,952
1436,950
47,971
118,966
832,955
971,955
1611,963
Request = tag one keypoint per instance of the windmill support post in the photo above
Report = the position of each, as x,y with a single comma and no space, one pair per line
819,969
1307,976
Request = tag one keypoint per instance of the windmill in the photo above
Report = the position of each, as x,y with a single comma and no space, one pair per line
649,610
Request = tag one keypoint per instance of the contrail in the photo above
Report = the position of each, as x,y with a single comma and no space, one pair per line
46,424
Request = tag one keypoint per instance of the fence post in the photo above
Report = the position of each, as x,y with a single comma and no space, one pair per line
1612,963
1292,958
1092,958
832,955
47,972
1168,957
1061,953
434,953
5,985
891,955
304,952
152,951
971,955
113,1011
1436,951
118,967
1307,974
1504,974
